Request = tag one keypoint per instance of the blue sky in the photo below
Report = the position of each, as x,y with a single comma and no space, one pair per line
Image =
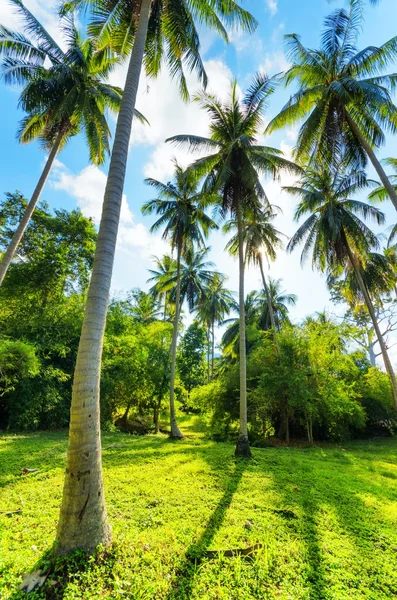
75,183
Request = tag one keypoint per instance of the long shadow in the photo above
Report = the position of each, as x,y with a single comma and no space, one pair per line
310,490
185,575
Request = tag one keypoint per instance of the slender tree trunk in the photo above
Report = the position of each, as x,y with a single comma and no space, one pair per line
83,519
373,158
175,432
156,419
371,311
286,426
208,354
24,222
213,349
269,302
371,353
125,415
242,447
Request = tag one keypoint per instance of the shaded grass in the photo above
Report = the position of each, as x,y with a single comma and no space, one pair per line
325,518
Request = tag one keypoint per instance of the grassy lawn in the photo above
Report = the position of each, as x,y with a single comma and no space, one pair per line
325,517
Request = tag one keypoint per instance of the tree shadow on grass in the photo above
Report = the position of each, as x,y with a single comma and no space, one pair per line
185,575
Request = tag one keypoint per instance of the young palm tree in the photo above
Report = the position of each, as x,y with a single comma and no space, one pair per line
215,303
231,337
344,95
261,239
166,268
233,170
335,234
149,31
185,223
63,94
277,302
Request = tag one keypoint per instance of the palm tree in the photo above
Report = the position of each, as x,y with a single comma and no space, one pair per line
231,337
335,234
62,98
145,308
185,223
233,170
380,193
147,30
215,303
166,267
277,302
261,238
344,95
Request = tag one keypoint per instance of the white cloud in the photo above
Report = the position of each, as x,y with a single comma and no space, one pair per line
45,12
272,6
160,102
87,187
276,62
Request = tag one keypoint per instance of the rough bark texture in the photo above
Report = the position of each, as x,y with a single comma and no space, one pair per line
269,302
378,332
175,432
83,520
24,222
242,446
373,158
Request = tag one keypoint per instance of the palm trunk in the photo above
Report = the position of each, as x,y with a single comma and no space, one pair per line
175,432
373,158
371,311
83,520
269,302
24,222
208,354
213,349
242,447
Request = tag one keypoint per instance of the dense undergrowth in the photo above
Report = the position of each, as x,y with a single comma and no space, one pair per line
324,519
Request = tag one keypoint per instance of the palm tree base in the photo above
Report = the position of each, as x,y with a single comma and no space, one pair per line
243,449
176,434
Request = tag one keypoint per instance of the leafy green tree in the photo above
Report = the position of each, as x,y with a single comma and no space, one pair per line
335,234
344,95
149,32
41,303
61,98
233,171
191,357
185,223
18,361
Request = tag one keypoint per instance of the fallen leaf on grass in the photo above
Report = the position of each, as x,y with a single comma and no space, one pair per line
32,580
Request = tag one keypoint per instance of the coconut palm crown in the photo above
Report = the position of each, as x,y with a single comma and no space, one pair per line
344,95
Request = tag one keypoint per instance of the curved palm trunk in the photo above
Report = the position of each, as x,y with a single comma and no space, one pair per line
83,520
269,301
373,158
175,432
379,335
242,446
24,222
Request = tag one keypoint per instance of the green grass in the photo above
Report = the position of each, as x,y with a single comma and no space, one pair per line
326,518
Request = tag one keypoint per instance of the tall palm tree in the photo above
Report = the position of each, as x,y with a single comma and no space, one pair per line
64,92
215,303
185,224
335,234
147,30
233,169
231,336
261,239
145,309
277,302
344,95
166,268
